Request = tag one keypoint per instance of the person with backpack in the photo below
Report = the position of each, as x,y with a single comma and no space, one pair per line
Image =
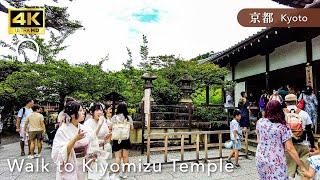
300,124
121,125
23,113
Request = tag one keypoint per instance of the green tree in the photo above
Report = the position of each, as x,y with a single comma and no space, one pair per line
144,53
128,64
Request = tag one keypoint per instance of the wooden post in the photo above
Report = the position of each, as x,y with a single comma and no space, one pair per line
206,147
143,124
220,145
166,148
246,143
198,146
148,148
147,110
190,120
182,147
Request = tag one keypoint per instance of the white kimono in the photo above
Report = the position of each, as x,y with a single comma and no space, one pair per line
64,134
102,148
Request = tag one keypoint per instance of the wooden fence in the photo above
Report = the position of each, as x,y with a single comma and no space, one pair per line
183,147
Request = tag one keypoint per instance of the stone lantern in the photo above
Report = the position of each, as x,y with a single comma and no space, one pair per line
148,77
186,88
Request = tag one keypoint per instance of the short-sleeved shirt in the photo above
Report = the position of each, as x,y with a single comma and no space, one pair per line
270,156
234,126
35,120
315,163
25,115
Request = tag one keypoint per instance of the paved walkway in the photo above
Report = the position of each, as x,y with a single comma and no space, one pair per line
247,170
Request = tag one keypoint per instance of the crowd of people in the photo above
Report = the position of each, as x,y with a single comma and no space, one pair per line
81,136
286,145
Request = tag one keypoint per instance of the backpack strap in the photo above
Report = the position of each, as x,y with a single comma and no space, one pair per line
23,111
298,111
286,110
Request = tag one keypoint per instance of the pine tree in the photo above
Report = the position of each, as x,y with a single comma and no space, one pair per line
128,64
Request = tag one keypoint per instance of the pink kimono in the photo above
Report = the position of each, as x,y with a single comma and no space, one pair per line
65,133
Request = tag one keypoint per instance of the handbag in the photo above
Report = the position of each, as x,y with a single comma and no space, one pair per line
301,103
120,131
228,144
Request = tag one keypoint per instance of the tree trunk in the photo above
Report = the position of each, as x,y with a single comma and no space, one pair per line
61,101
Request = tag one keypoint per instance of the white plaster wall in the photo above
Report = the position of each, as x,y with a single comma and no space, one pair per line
316,48
288,55
250,67
228,77
239,87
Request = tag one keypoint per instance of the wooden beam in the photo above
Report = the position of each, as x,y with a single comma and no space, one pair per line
267,70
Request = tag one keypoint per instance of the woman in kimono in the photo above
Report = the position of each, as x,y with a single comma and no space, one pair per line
101,143
71,137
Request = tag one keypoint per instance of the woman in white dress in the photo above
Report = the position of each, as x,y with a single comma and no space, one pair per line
71,144
101,143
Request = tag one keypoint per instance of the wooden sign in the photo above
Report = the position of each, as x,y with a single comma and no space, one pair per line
309,77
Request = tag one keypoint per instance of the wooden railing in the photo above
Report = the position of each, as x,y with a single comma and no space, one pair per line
182,146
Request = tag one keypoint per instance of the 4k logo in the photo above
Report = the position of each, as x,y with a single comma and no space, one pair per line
26,21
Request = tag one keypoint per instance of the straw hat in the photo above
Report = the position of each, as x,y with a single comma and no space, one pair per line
290,98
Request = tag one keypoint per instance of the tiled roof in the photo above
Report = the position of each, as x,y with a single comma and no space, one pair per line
295,3
263,32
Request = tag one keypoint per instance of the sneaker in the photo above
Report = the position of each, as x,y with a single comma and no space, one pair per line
31,157
114,177
228,161
237,166
124,175
37,155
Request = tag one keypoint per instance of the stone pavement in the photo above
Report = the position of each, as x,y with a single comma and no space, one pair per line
247,170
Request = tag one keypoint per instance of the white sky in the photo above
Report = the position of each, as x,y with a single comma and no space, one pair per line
185,28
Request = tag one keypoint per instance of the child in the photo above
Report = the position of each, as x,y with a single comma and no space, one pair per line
235,136
314,161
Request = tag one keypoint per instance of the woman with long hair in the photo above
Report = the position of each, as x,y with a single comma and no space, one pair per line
71,142
121,146
274,137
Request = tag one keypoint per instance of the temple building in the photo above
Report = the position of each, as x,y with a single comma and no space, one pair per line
274,57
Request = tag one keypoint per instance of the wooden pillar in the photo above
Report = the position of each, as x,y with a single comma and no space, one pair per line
267,71
233,71
310,62
190,120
